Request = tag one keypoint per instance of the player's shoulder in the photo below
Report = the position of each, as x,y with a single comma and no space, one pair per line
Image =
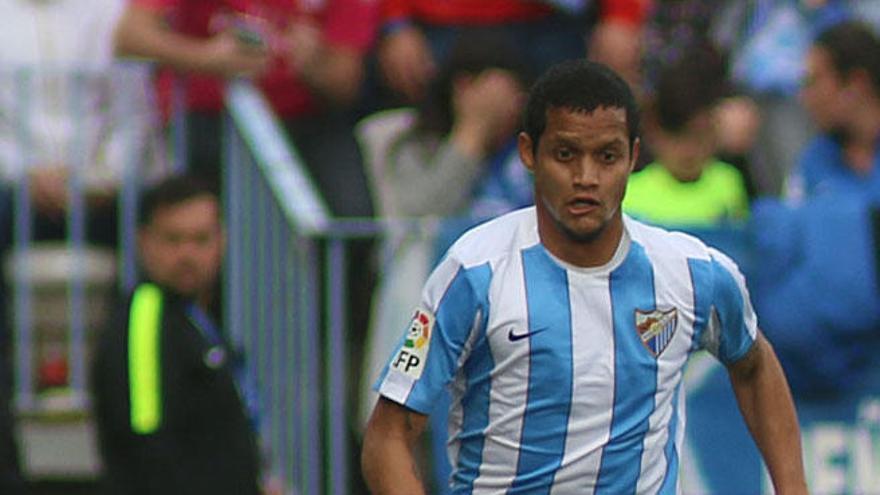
663,243
496,238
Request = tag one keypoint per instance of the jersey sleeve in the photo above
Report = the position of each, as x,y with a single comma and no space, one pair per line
437,342
732,325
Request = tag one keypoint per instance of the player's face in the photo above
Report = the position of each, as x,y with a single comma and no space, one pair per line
581,168
182,248
822,90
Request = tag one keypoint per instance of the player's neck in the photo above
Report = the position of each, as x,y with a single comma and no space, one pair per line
585,254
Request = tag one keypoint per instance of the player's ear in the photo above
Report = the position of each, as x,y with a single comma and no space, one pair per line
634,154
526,150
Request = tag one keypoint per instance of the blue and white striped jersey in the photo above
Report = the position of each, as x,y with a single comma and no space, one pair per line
565,379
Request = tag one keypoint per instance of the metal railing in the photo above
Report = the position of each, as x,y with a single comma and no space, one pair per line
97,125
286,295
284,270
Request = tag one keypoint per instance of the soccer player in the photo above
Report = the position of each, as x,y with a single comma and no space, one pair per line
562,330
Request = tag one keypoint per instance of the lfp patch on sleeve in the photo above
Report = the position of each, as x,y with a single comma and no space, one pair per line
410,359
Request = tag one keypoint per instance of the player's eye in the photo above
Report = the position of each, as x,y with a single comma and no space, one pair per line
608,156
564,154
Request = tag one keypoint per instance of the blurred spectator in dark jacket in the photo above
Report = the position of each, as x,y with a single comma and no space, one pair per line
174,403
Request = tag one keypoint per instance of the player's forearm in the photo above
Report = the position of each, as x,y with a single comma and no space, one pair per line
387,458
769,412
389,466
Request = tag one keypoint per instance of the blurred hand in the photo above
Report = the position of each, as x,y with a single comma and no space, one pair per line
333,72
302,45
486,109
48,188
618,45
228,56
406,62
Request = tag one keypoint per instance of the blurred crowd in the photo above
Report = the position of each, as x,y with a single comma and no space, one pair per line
760,115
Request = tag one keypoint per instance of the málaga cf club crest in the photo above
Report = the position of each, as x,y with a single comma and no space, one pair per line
656,328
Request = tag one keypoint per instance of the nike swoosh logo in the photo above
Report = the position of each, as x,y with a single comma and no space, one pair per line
513,336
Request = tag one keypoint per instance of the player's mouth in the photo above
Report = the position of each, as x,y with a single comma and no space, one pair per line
583,205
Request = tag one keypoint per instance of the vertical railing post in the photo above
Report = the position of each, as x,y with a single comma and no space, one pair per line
179,124
279,220
76,221
275,324
313,455
336,353
232,184
294,318
131,185
21,268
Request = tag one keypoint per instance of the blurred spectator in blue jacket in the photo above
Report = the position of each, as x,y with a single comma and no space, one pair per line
816,288
841,90
768,40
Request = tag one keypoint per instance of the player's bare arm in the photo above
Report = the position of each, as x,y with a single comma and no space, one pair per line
768,409
387,459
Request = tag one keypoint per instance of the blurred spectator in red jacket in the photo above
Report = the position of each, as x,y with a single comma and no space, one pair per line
305,55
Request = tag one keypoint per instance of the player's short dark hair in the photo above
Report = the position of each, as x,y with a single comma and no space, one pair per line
691,85
172,191
853,45
581,86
